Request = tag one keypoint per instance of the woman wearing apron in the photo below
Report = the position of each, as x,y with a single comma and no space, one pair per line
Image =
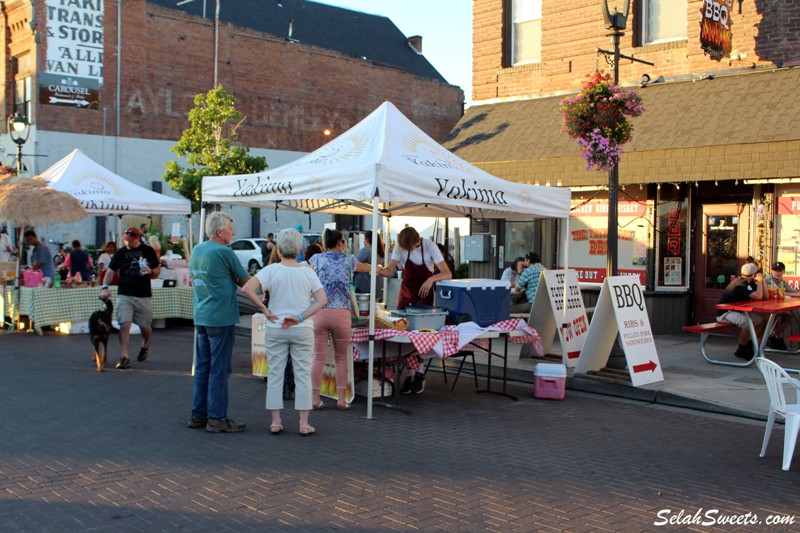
417,257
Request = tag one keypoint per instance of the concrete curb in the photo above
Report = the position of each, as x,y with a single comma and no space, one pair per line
601,386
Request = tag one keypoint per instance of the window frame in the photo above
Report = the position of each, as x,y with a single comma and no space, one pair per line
642,26
511,33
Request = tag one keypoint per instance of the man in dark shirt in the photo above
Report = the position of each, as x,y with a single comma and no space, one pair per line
748,286
266,249
136,263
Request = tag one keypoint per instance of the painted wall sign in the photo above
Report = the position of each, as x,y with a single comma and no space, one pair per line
621,310
588,238
716,38
74,59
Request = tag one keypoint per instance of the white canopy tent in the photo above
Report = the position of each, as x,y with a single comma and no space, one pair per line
102,192
385,165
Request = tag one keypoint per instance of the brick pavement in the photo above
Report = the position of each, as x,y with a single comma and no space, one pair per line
84,451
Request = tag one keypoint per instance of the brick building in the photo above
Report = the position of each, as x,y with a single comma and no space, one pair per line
712,173
117,80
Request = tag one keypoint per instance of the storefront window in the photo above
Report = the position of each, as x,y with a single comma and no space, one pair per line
721,256
673,236
788,234
588,238
519,239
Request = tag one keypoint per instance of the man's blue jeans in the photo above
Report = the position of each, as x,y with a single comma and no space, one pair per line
214,351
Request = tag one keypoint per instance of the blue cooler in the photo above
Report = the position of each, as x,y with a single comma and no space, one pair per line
483,301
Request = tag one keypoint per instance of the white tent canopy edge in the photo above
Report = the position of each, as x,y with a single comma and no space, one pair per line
385,165
102,192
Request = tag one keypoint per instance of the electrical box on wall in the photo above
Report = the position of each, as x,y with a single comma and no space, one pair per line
477,247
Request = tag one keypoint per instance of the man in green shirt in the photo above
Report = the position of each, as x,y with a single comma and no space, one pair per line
215,274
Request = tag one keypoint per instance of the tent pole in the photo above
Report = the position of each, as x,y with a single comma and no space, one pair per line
15,311
566,268
199,241
372,285
191,233
200,238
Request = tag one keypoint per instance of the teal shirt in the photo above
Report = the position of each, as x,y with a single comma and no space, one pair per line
214,270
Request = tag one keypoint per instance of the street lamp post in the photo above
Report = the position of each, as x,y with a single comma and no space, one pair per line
18,129
216,34
616,22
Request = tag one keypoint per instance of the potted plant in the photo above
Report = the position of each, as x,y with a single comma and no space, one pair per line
598,117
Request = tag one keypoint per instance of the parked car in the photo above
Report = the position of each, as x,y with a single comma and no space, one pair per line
249,252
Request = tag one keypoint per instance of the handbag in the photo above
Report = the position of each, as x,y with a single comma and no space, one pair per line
353,301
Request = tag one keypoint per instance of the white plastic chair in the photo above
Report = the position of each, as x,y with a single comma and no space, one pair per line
776,377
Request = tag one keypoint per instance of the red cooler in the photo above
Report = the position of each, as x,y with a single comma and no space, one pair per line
483,301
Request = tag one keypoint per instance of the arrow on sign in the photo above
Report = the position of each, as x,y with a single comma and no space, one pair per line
650,365
79,103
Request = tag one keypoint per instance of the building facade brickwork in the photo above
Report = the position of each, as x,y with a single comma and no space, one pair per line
764,33
288,91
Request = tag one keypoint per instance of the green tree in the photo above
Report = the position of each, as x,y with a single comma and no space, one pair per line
207,146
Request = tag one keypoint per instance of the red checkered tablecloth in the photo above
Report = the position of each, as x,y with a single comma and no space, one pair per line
448,340
424,342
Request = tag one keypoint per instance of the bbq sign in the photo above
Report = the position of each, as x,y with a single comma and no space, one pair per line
621,311
716,38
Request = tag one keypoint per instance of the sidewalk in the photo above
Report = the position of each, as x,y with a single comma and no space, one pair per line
689,381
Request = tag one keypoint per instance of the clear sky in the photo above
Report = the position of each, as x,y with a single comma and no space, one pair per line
446,30
445,27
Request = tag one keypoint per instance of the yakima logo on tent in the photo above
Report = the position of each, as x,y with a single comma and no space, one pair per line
464,192
422,154
91,187
99,204
262,187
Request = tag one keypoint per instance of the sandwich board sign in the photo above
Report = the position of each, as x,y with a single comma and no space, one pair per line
621,310
548,316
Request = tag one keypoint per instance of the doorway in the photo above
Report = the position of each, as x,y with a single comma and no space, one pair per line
720,249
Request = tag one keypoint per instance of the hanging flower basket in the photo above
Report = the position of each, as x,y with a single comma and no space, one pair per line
598,118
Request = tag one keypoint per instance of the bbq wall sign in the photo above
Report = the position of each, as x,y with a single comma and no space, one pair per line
716,38
621,310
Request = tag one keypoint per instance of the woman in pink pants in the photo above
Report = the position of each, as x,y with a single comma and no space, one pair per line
335,270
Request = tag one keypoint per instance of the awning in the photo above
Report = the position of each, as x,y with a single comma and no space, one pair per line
743,126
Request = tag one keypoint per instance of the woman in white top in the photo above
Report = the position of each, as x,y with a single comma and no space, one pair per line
6,251
512,273
104,260
289,329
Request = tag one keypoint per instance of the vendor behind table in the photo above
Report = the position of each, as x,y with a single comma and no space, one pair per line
418,258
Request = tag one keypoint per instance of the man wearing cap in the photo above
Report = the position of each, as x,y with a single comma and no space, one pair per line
136,264
784,320
748,286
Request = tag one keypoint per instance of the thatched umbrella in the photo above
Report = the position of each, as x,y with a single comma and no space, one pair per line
29,202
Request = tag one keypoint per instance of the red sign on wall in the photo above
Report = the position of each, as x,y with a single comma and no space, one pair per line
788,205
716,38
600,209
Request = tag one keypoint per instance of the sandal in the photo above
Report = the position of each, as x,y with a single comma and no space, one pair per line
275,429
318,406
306,430
343,406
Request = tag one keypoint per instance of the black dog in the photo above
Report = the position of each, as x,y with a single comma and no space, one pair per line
99,329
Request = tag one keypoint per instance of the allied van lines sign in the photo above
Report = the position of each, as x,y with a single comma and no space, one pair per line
74,61
621,310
